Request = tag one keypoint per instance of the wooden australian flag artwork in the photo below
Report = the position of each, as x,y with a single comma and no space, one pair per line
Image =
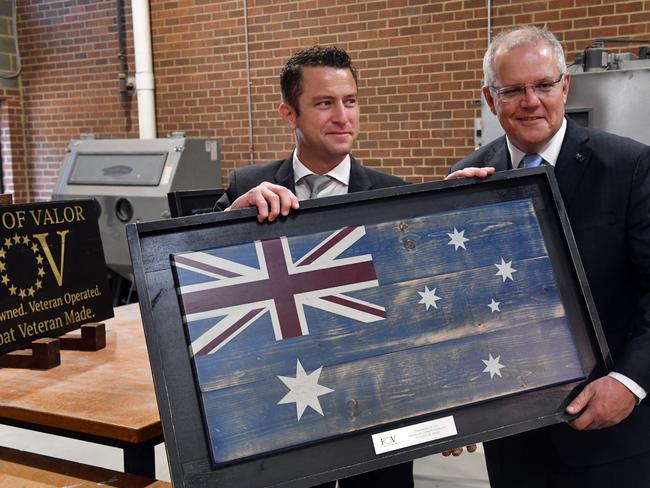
303,338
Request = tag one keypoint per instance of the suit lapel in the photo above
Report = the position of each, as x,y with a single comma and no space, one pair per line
572,161
284,174
500,158
359,180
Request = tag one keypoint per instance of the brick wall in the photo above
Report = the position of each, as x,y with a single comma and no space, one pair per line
70,82
419,62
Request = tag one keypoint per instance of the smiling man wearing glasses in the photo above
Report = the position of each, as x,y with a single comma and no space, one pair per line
605,185
526,87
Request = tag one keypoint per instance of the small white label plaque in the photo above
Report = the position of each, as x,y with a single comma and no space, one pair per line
414,434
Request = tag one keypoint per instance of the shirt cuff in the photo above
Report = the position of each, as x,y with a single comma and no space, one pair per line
632,385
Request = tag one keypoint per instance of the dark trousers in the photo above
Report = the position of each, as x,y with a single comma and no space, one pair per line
529,460
398,476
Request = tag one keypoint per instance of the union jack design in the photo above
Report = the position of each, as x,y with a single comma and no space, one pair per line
241,294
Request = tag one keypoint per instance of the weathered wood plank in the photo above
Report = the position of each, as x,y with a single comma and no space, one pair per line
247,419
405,318
333,339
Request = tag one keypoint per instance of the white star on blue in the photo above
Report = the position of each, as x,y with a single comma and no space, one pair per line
458,239
505,270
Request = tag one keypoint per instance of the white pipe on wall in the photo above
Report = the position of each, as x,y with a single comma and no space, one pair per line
489,22
144,82
249,97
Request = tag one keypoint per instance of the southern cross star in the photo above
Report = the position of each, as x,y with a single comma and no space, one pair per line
304,390
458,239
429,297
505,270
493,366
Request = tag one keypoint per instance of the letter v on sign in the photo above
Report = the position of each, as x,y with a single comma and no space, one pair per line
57,270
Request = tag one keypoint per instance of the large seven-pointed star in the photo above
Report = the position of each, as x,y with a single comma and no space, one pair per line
429,297
304,390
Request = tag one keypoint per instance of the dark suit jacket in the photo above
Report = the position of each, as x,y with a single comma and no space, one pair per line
361,179
281,173
605,185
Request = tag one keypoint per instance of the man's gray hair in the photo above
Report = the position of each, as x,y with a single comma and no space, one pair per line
514,37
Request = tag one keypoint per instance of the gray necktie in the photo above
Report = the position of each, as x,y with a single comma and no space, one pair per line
532,160
317,184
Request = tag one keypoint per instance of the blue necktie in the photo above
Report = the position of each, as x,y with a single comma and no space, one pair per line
532,160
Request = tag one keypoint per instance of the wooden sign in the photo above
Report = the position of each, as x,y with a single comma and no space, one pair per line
52,271
363,330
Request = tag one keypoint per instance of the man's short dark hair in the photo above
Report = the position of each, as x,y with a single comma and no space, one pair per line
291,74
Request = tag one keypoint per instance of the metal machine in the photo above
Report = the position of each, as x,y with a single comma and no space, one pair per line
613,101
608,92
130,179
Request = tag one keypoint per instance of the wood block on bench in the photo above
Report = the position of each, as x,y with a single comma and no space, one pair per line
21,469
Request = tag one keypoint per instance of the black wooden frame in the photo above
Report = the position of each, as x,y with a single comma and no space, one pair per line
151,243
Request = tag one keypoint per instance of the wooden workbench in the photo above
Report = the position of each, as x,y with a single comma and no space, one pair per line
20,469
104,396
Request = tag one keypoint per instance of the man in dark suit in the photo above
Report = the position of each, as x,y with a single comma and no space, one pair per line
319,92
605,185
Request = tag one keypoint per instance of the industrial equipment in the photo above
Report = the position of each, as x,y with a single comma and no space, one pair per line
193,202
609,91
130,179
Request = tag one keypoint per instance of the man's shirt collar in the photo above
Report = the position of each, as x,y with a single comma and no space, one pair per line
549,152
341,172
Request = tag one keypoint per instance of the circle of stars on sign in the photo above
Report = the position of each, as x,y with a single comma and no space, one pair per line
7,244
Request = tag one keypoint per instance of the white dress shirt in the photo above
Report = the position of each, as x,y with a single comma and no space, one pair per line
549,152
340,178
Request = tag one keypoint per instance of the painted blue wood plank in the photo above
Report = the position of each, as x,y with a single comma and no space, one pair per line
247,420
401,318
463,310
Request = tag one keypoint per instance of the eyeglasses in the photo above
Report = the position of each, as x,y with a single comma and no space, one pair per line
517,92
